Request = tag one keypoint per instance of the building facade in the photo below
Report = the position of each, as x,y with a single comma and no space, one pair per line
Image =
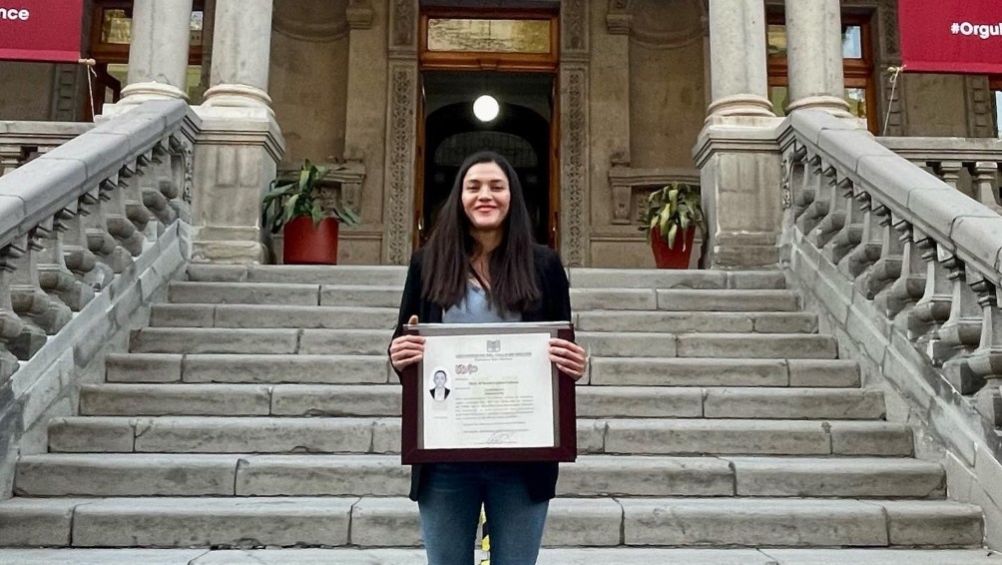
600,102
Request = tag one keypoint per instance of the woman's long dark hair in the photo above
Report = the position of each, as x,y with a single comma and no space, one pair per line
447,266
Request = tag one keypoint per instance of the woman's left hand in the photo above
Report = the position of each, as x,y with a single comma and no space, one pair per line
570,357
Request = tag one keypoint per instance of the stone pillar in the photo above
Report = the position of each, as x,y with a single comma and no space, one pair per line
814,54
241,54
158,56
240,144
738,69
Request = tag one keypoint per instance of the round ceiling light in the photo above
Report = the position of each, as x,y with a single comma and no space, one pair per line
486,108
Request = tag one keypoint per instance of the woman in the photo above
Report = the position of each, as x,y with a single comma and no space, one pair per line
480,265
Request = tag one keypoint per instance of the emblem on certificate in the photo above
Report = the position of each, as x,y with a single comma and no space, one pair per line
488,392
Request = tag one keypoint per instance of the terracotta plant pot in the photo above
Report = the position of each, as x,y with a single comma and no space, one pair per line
677,258
305,244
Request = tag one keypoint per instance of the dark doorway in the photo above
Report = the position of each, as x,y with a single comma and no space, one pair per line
521,132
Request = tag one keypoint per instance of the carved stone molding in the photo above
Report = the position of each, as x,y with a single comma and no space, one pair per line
618,17
631,186
573,28
311,20
664,25
64,93
979,104
574,160
401,139
359,14
403,26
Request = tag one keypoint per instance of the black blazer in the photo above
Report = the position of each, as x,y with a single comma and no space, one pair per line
555,306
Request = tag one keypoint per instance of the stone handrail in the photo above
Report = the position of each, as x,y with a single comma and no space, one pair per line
22,141
73,218
973,166
925,256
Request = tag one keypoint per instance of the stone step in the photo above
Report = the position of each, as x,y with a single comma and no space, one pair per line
667,279
349,317
724,372
272,316
385,400
547,556
393,522
716,345
375,342
686,322
98,474
299,274
265,369
260,341
261,434
357,369
684,300
579,277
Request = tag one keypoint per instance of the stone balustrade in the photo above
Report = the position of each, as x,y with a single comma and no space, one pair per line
631,186
76,216
972,166
21,142
924,256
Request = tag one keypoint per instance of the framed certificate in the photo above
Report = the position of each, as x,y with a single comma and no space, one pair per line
488,392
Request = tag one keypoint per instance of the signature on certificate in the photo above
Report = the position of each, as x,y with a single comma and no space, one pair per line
499,438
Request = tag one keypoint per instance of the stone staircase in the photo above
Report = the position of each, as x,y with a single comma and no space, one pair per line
258,410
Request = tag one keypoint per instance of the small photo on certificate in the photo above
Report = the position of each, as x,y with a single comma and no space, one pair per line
487,390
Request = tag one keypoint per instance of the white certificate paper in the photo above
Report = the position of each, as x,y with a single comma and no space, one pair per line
487,391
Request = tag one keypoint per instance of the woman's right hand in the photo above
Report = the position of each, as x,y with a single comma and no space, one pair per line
406,349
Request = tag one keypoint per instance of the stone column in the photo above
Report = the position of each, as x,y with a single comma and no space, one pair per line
814,54
241,54
158,56
739,75
240,144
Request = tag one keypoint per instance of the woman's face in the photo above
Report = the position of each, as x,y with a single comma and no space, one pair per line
486,196
439,378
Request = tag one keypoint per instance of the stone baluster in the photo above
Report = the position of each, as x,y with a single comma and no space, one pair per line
11,326
986,361
826,207
934,307
793,179
82,241
961,332
977,324
182,176
132,186
53,275
807,193
41,314
949,172
99,233
986,179
867,251
158,187
122,228
847,238
888,267
909,286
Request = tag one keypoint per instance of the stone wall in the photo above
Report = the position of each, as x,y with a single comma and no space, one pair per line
27,90
946,427
47,386
309,78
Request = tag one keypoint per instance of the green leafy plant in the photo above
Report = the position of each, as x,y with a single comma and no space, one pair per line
673,208
287,200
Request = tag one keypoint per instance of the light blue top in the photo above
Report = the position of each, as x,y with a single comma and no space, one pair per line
475,309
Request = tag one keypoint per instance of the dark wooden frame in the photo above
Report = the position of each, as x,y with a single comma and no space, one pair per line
565,413
859,73
995,84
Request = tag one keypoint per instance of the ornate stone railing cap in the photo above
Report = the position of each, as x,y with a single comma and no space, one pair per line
36,191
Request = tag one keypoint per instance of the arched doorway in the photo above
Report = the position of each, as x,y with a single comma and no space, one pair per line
522,132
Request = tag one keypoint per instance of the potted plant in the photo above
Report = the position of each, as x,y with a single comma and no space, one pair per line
671,218
310,234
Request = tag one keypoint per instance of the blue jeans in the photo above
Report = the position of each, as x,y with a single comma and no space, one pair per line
450,499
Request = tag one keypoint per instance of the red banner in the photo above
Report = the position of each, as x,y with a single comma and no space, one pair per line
951,36
40,30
